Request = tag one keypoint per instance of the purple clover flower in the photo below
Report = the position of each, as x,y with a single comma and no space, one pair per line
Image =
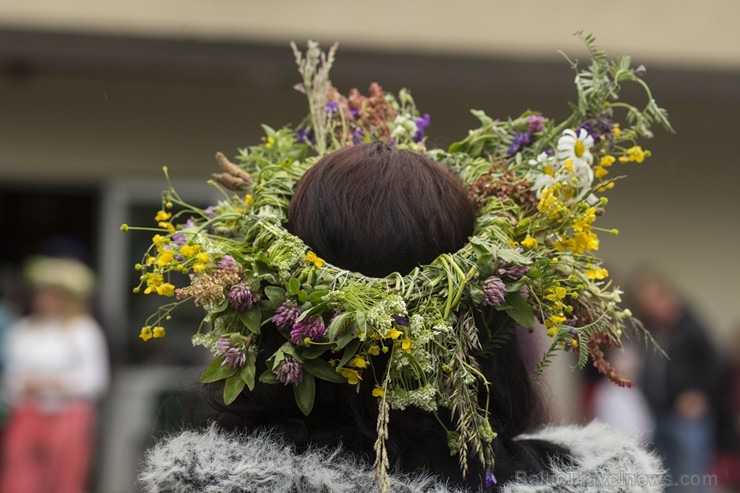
494,292
524,291
521,141
240,297
227,261
234,357
310,327
290,372
513,271
536,123
332,107
286,314
490,478
421,124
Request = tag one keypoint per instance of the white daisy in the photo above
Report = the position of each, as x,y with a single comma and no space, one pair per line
542,174
575,147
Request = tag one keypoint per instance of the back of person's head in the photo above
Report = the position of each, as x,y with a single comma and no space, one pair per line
376,209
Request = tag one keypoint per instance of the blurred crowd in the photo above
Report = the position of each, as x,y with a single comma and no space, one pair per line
56,371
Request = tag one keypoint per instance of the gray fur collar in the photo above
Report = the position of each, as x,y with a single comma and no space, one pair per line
211,461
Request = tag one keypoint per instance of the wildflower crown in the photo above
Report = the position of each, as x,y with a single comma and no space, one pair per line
538,187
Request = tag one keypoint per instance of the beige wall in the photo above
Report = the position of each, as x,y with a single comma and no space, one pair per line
682,32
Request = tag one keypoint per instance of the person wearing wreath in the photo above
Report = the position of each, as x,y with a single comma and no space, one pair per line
366,308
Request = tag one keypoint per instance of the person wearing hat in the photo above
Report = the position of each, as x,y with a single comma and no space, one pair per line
56,368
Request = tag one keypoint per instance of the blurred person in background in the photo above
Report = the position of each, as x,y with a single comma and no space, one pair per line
8,315
727,460
625,409
56,368
680,388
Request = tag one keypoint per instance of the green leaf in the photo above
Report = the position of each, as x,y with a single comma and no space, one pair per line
338,324
233,387
294,286
323,370
316,296
252,319
361,323
350,351
216,372
312,352
305,392
520,310
248,372
268,377
485,264
275,294
512,256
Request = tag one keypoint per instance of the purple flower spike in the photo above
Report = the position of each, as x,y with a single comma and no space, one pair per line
401,320
304,134
494,292
311,327
421,124
223,344
536,123
290,372
490,478
358,136
240,297
286,315
521,140
524,291
331,107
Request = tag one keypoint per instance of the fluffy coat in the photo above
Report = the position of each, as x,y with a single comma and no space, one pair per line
211,461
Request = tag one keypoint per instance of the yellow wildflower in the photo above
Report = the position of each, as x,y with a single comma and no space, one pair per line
162,216
393,334
406,345
600,172
552,331
378,391
146,333
158,332
168,226
199,267
554,321
189,250
358,362
556,293
373,350
314,259
165,258
202,258
353,377
166,289
150,260
597,274
529,242
616,131
607,161
270,142
248,200
153,280
160,241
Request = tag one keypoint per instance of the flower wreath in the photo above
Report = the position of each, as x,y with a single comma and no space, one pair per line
538,187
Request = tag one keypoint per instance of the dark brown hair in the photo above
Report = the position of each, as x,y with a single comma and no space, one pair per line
375,209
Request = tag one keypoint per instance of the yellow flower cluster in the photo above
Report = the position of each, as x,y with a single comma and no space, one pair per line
148,332
634,154
315,259
550,204
162,219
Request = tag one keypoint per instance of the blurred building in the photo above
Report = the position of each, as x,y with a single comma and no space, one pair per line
97,96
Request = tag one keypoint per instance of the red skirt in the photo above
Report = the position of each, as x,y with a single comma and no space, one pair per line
47,452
